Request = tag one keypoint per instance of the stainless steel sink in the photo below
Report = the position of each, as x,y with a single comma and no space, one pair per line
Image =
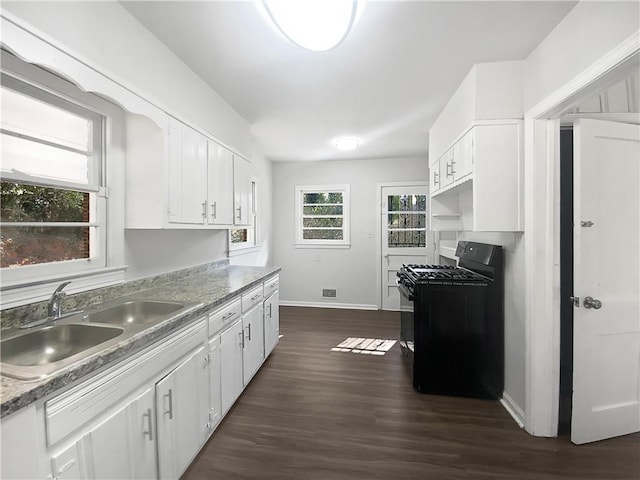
134,312
42,351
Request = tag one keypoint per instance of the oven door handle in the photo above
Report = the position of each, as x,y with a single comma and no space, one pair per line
404,290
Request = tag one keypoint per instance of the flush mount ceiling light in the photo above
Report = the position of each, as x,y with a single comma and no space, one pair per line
346,143
316,25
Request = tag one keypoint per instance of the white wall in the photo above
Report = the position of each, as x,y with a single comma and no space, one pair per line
351,271
151,252
514,313
586,34
109,39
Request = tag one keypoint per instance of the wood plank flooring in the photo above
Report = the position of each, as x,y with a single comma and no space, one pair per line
315,414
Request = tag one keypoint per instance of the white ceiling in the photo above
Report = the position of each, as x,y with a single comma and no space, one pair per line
386,83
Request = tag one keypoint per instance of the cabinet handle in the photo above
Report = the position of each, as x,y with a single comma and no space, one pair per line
65,467
255,297
204,210
206,361
170,411
239,212
229,315
214,210
150,428
435,178
241,338
449,169
249,329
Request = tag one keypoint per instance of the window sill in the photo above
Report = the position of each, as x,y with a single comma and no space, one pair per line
243,250
38,289
321,245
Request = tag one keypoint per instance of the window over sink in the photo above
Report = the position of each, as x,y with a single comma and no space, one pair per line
61,210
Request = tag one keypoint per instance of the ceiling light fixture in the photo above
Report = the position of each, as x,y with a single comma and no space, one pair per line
317,25
346,143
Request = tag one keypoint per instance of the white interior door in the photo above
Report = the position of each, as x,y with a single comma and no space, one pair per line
403,235
606,378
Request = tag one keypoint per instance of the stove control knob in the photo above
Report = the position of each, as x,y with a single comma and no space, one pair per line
590,302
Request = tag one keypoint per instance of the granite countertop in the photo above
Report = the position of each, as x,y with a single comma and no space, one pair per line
205,291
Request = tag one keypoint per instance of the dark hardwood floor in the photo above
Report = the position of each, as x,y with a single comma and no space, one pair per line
310,414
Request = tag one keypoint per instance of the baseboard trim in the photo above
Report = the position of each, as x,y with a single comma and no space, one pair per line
348,306
512,407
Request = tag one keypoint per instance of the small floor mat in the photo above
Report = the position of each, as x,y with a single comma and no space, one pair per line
366,346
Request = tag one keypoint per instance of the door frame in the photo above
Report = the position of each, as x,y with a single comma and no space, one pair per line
542,236
378,206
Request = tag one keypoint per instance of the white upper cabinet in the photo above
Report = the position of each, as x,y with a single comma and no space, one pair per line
177,177
242,197
220,185
477,147
187,175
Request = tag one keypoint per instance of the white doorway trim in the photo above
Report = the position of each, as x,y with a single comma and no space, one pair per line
378,206
542,202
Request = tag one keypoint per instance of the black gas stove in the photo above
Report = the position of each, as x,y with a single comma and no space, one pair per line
452,323
437,273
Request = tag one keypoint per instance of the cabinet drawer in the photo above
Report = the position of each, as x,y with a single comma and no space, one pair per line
251,298
224,316
270,285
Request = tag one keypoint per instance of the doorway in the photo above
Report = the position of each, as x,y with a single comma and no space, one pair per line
403,235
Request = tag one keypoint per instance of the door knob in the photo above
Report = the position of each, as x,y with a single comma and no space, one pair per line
590,302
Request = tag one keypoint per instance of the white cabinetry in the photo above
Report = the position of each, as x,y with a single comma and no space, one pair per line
484,180
176,177
128,437
253,328
225,332
271,314
182,405
220,185
187,174
242,195
231,341
19,458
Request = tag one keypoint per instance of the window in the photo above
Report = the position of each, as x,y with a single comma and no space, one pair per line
246,237
322,215
406,221
54,207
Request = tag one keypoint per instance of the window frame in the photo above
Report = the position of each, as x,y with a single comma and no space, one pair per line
26,284
252,230
300,241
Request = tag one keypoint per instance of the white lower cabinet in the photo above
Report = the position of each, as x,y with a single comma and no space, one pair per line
231,364
148,416
127,435
182,405
271,322
253,349
215,398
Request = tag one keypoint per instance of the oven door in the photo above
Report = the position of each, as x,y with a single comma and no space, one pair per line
406,321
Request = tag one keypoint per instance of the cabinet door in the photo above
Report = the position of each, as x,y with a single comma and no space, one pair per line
241,191
69,464
463,156
215,400
253,352
231,341
194,177
446,172
123,445
435,177
271,323
220,185
182,406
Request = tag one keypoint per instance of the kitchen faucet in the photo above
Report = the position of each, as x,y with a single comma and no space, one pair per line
54,309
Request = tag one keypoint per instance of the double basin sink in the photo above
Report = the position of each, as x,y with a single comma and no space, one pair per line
39,352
